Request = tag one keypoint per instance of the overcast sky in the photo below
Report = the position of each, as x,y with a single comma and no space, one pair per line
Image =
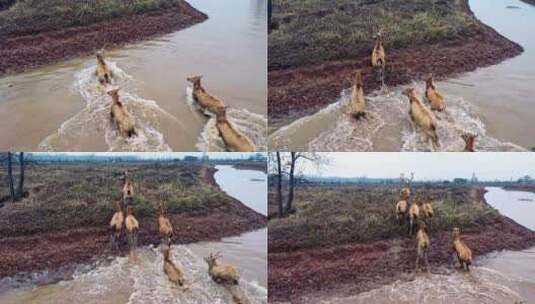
428,165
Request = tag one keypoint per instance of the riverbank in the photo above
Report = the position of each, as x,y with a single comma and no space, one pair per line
64,224
356,244
298,87
27,48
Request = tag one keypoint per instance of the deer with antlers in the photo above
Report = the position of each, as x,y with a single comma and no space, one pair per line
221,273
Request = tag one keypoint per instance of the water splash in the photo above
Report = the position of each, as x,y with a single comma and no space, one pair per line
387,125
139,278
250,124
482,285
94,125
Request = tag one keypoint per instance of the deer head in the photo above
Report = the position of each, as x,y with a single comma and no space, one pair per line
196,81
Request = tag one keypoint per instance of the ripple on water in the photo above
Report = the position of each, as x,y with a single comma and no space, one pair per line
139,278
388,119
93,123
250,124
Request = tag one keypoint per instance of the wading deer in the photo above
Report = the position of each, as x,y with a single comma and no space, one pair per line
422,117
116,226
221,273
120,114
469,142
464,254
132,227
358,103
234,139
422,238
103,73
166,229
173,272
433,97
205,100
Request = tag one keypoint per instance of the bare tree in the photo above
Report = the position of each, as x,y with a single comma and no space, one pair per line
286,166
10,176
20,190
279,185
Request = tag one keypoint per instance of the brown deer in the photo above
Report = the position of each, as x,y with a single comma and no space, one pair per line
120,114
132,227
116,226
469,142
401,210
463,253
205,100
103,73
234,139
166,229
414,215
173,272
422,248
221,273
128,192
378,53
422,117
358,103
427,209
433,97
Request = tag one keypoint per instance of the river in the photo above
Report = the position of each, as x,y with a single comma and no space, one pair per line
499,277
140,279
494,102
60,107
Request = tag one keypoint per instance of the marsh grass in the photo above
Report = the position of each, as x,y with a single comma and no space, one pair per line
35,16
315,31
351,214
71,196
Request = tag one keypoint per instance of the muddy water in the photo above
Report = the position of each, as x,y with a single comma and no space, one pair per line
61,107
518,205
493,102
501,277
139,278
249,186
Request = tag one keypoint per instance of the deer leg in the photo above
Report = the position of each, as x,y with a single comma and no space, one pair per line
426,261
417,262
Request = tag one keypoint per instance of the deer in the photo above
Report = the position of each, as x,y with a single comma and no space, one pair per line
132,227
427,209
401,209
433,97
128,192
103,73
120,115
358,103
203,99
174,272
414,215
165,227
116,226
221,273
422,117
422,248
234,140
378,53
463,253
469,142
379,58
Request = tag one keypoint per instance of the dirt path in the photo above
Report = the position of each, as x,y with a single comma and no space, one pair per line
300,91
24,52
